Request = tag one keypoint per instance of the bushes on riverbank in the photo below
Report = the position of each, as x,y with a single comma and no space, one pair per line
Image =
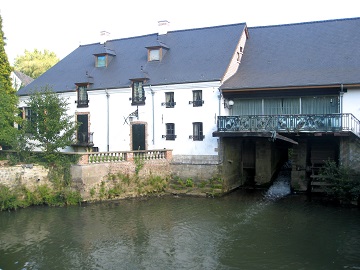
58,193
345,183
21,197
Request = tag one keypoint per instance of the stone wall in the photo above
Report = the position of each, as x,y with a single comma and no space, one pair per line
90,178
202,167
350,152
28,175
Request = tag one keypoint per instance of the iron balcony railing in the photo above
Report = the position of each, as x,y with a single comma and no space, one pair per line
84,138
290,123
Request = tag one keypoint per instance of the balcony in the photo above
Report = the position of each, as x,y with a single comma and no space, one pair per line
305,123
84,139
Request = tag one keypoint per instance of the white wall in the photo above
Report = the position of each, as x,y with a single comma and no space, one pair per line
183,115
351,102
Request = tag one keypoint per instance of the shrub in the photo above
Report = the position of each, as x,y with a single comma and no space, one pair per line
345,182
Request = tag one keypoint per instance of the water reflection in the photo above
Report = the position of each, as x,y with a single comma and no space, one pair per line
239,231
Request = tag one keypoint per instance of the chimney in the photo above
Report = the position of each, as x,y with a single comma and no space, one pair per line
163,27
104,36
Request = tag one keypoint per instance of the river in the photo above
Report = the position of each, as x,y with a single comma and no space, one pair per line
243,230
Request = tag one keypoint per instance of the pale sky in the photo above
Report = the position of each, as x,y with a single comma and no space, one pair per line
60,26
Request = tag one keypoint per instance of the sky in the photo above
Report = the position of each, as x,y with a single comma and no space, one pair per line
60,26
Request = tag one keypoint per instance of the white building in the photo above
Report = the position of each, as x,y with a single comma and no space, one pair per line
216,96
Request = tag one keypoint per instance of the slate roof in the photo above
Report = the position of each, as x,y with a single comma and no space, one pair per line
195,55
300,55
25,79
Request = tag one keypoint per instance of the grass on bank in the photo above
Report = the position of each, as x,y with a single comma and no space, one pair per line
59,193
21,197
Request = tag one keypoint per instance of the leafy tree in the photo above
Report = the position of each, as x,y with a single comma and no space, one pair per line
8,98
35,63
51,128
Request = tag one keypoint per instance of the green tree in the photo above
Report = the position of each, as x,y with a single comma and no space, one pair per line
8,98
35,63
51,128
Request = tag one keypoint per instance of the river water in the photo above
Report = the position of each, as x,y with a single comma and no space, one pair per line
243,230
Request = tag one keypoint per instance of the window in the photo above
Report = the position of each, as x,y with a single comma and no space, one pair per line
154,55
170,132
197,131
83,100
26,114
101,61
138,93
83,136
169,100
197,98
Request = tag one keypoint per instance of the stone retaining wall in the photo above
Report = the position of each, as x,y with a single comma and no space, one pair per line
28,175
92,177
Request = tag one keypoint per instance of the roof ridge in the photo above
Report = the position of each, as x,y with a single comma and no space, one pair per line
173,31
303,23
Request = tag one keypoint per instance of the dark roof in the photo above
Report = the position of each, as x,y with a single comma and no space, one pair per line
25,79
194,55
304,54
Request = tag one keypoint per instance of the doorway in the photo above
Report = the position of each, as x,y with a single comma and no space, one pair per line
138,136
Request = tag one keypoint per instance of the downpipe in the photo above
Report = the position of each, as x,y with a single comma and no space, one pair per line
107,120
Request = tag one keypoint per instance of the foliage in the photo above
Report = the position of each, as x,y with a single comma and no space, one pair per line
189,182
345,182
8,98
50,127
35,63
139,163
42,195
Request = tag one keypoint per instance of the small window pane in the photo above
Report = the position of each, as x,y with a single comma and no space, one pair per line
101,61
154,55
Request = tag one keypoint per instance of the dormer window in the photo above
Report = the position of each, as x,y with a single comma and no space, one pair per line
82,96
156,51
104,56
101,61
154,55
138,93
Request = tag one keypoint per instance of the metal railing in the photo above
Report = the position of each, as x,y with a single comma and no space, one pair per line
290,123
84,138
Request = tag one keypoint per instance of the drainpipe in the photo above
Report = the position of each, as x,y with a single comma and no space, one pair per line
341,121
341,98
220,95
153,115
107,121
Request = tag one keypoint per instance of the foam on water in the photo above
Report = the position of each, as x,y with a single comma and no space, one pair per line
281,186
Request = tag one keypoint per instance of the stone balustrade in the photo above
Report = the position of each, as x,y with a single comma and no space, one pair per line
120,156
